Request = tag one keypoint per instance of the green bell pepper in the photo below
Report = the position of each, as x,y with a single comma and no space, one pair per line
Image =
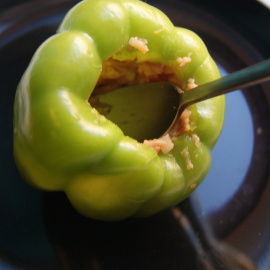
61,143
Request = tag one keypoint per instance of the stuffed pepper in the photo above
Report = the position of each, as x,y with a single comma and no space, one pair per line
62,143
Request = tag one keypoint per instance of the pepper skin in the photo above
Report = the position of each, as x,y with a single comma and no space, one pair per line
61,143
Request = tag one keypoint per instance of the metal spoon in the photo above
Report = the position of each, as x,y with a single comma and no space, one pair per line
148,111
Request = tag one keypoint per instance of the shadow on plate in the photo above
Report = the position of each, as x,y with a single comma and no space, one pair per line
173,239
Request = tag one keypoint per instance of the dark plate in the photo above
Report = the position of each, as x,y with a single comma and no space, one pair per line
225,224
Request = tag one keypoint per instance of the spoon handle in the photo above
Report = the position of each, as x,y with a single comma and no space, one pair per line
240,79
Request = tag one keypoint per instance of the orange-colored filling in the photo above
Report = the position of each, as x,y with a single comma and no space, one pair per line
116,74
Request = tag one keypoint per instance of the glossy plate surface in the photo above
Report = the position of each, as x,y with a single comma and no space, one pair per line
225,224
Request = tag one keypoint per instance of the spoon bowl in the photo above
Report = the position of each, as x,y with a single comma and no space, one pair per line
142,111
148,111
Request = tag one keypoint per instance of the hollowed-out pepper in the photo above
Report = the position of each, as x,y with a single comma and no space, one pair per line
61,143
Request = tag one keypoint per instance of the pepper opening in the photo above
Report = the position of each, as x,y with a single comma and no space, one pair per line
119,74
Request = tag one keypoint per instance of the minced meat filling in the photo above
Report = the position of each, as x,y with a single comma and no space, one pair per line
116,74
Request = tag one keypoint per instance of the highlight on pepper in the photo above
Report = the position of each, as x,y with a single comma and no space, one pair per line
62,143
